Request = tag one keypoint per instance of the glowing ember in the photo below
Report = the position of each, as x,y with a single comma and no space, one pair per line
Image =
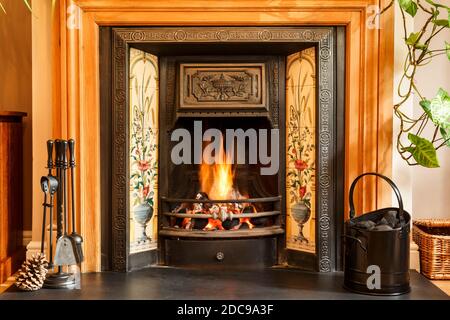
213,224
247,221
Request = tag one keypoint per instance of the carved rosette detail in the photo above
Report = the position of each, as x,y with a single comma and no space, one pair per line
170,101
223,35
119,180
180,35
325,171
212,34
265,35
275,96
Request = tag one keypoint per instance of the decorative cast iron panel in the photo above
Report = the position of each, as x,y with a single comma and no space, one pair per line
322,37
219,85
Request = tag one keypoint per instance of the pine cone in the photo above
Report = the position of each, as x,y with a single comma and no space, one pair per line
32,273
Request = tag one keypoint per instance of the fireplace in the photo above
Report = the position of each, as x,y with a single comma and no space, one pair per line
265,104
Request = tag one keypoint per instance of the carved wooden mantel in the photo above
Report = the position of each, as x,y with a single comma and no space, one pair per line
369,60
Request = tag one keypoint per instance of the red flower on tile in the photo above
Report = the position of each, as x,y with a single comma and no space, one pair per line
300,165
302,191
145,191
143,165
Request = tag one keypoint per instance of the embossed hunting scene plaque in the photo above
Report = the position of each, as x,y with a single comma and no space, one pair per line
222,85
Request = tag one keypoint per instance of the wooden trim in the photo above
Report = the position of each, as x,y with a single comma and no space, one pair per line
89,137
368,95
219,5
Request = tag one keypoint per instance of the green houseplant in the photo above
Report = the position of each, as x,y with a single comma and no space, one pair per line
414,145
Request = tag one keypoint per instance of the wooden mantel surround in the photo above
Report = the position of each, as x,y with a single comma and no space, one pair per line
369,74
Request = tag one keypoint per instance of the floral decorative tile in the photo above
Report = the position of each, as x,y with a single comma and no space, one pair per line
144,131
301,150
301,68
302,101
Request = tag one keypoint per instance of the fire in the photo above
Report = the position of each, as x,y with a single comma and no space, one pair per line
213,224
217,181
247,221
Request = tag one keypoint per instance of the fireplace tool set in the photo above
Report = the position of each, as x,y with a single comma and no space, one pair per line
68,251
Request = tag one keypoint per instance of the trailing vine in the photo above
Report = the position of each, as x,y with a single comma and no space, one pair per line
418,148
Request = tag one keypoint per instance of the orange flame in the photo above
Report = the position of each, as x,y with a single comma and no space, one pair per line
247,221
217,179
213,224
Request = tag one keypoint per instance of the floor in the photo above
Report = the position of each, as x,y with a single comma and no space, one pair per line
171,283
444,285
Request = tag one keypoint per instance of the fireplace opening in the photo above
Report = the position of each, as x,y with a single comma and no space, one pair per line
221,190
224,196
266,104
223,203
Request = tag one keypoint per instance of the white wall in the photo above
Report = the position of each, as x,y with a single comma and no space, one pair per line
426,191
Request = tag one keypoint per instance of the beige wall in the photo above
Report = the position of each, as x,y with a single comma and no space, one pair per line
42,105
425,191
15,82
401,172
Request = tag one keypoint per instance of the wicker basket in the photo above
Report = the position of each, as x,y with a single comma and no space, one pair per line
433,239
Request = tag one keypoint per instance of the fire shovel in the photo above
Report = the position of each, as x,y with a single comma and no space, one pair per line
65,250
76,238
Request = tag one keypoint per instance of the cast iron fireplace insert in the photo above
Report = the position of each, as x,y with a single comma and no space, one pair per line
253,233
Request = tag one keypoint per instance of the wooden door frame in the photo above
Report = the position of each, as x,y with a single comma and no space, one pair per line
368,83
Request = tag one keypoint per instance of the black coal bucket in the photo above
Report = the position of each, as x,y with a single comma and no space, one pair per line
376,248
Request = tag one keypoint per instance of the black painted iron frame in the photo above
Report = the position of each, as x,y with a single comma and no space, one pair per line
329,179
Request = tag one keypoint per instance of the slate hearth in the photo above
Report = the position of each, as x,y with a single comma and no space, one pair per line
170,283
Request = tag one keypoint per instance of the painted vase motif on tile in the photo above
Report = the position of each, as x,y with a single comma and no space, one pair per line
143,89
300,150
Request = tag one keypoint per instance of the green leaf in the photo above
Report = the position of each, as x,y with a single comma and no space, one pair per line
409,6
440,109
446,135
423,152
441,22
420,46
425,104
447,47
412,39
